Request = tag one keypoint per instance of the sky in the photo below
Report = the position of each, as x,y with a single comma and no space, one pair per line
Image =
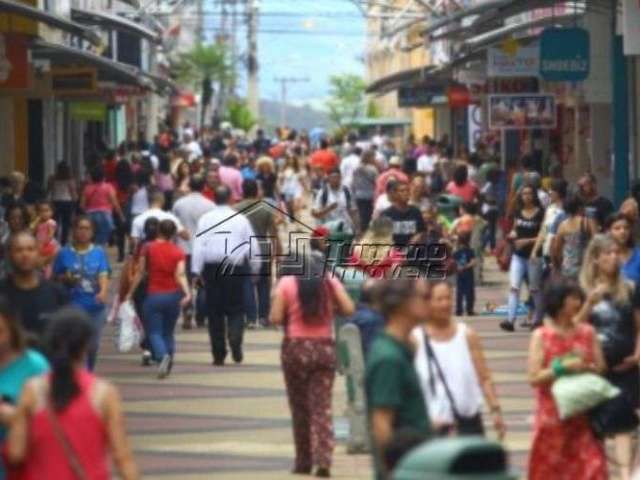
328,39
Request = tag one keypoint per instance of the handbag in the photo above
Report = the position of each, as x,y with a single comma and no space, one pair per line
614,416
579,393
74,462
504,250
462,425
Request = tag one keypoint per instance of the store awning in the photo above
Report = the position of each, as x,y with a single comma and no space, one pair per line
50,19
482,8
114,22
392,82
162,84
108,70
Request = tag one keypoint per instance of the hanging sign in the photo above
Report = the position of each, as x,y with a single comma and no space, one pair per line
14,66
419,96
631,26
565,54
91,111
521,112
458,96
513,60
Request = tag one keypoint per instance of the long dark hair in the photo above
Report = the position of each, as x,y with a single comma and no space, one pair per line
16,335
314,292
124,175
63,172
67,339
536,199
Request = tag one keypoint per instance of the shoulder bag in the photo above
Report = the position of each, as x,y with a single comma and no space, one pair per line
462,425
70,454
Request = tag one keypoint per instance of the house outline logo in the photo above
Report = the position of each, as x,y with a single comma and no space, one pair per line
293,255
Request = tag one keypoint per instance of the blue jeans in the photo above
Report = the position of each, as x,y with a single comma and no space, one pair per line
103,224
519,269
257,298
98,320
161,312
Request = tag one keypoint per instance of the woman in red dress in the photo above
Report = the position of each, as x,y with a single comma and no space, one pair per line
563,449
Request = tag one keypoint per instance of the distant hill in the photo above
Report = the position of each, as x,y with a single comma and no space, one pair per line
297,117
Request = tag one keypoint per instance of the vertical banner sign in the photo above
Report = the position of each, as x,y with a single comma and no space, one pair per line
565,54
475,125
631,26
14,67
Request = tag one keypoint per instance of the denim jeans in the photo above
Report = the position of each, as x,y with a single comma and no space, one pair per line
103,223
257,298
465,292
98,320
161,312
519,269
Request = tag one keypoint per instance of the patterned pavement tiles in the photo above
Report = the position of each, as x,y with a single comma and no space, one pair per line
233,423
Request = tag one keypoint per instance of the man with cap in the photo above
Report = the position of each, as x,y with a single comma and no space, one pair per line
394,172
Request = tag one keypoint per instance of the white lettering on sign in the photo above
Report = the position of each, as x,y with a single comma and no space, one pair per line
577,65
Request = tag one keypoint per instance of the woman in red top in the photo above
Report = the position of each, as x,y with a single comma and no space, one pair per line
461,186
167,291
305,305
99,201
69,423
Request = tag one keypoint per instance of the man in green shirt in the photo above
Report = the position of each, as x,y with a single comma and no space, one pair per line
394,397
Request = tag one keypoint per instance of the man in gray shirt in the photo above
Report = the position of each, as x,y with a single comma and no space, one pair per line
189,209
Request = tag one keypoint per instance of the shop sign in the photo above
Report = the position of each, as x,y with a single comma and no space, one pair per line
474,124
522,112
91,111
74,81
565,54
513,60
420,96
14,64
631,26
458,96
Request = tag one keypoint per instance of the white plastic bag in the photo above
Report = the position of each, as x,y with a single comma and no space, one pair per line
129,328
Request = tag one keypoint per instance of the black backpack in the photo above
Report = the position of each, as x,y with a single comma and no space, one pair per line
325,196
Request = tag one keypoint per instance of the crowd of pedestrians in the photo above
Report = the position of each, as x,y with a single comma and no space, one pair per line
196,220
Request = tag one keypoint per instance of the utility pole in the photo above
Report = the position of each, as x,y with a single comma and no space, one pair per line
253,92
233,45
284,81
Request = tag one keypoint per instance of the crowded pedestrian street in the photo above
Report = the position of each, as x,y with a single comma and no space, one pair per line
235,422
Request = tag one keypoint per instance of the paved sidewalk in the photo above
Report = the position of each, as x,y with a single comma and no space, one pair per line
233,422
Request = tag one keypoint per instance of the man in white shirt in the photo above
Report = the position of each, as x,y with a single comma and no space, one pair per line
192,147
189,209
156,202
427,161
349,165
221,258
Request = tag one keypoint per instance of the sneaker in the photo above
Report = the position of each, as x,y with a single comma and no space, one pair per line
165,367
147,360
323,472
507,326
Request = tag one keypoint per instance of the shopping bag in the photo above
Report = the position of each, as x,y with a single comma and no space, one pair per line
129,328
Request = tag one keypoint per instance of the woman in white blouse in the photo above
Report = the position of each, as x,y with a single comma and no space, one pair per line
453,372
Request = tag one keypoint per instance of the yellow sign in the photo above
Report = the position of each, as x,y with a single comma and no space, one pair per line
11,23
511,47
74,81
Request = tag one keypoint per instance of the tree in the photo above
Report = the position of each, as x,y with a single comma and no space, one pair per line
239,115
207,67
347,100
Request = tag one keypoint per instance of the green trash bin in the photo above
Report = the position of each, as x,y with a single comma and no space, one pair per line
448,206
461,458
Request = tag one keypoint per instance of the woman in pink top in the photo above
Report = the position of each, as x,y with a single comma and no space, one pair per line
99,200
69,423
305,306
461,186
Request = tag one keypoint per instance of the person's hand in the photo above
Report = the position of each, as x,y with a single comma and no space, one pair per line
7,412
596,294
101,297
520,243
196,282
333,206
186,300
574,364
499,425
627,364
512,235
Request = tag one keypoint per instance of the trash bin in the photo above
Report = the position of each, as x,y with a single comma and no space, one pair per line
461,458
448,206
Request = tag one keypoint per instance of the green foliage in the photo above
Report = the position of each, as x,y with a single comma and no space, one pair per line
347,99
373,111
239,115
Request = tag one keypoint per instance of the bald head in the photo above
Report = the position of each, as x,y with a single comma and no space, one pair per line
222,195
23,252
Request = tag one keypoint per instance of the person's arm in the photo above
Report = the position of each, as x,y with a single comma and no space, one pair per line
139,274
181,279
83,200
382,429
633,359
103,284
278,308
18,435
117,434
593,297
557,245
344,303
538,375
486,381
